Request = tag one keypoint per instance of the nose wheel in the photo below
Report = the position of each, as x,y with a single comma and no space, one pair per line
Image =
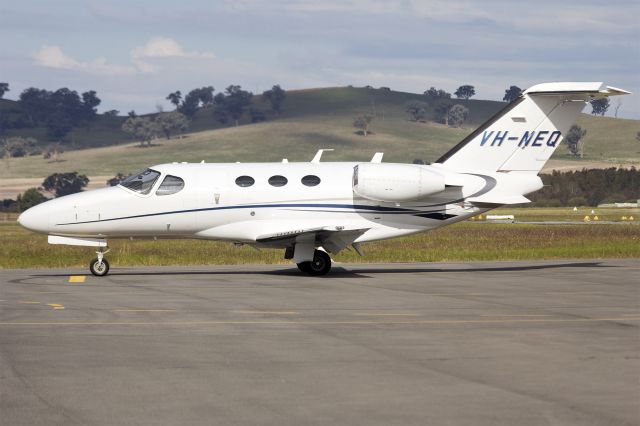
99,266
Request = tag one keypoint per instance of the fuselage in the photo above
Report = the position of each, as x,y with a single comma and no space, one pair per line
216,202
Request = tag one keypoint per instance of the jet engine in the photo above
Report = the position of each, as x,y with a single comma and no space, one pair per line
395,182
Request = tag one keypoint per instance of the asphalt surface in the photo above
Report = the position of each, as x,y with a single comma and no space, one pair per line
500,343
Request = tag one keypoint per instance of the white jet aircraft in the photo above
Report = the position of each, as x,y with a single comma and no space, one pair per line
312,209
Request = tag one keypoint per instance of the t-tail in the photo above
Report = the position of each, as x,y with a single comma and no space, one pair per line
524,135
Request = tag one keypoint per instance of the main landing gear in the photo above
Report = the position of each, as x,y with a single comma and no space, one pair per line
320,265
99,266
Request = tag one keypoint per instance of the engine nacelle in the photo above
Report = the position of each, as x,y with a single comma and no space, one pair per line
395,182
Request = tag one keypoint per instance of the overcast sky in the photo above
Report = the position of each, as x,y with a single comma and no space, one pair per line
133,53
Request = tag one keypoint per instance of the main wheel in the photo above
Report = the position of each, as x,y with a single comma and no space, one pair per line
305,267
321,263
99,269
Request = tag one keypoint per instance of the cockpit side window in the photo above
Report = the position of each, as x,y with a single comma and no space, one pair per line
170,185
141,182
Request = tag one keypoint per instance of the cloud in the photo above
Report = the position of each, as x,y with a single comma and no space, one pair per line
52,56
162,47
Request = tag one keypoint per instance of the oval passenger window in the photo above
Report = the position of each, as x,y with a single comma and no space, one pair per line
310,180
278,180
170,185
245,181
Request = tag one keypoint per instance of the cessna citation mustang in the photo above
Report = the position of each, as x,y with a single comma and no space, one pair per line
312,209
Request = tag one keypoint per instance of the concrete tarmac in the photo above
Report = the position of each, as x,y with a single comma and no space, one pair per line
492,343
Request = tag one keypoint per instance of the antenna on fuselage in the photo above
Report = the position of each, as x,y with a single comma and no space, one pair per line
316,158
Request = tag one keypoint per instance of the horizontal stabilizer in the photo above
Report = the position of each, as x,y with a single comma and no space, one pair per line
593,89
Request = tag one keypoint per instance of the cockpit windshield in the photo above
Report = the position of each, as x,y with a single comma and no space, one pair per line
141,182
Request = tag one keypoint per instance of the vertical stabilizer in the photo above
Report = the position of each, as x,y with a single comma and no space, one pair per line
522,137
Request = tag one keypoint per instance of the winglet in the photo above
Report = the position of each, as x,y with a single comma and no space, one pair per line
377,157
316,158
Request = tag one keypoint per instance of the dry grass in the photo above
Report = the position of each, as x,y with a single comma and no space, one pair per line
461,242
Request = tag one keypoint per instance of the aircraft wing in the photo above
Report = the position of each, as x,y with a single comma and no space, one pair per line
332,239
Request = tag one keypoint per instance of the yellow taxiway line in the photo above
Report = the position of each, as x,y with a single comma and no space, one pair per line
386,314
56,306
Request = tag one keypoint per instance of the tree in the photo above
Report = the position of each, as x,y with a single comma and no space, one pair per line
599,106
132,114
53,151
190,104
363,122
457,115
30,198
196,98
171,122
35,103
275,96
61,184
417,110
18,146
257,115
235,102
617,107
465,91
8,205
4,88
119,177
512,93
219,109
141,128
68,103
436,94
573,138
58,125
175,98
111,113
205,94
441,111
90,104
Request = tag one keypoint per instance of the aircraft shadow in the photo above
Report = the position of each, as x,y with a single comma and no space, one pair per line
357,271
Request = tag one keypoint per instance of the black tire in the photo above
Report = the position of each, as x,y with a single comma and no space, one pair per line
321,264
97,269
305,267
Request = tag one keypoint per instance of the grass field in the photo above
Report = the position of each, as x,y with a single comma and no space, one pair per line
461,242
312,119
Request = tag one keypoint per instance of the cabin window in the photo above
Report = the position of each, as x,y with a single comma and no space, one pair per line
278,180
245,181
141,182
170,185
310,180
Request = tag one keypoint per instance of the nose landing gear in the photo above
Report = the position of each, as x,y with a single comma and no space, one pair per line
99,266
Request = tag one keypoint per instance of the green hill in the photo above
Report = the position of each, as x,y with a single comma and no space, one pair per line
311,119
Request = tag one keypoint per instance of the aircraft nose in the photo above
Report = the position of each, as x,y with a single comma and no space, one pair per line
35,219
